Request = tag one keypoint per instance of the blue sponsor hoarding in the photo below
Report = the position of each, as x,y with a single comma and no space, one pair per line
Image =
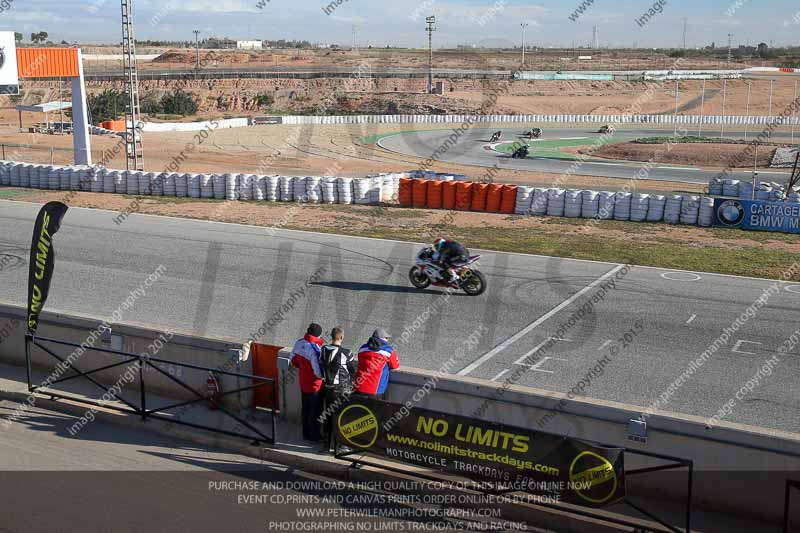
757,215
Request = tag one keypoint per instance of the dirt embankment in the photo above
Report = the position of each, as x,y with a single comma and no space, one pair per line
697,154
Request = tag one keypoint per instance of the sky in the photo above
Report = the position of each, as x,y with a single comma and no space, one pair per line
402,22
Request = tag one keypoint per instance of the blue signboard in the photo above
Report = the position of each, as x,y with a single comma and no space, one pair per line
757,215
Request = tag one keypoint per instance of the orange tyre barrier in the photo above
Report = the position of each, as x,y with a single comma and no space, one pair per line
463,195
405,194
434,200
509,201
479,191
494,195
449,194
419,193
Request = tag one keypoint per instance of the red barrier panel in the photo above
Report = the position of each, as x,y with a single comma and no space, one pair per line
479,191
405,194
509,201
449,194
494,196
434,200
463,195
419,193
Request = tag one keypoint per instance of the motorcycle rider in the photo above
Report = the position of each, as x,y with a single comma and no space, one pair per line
446,253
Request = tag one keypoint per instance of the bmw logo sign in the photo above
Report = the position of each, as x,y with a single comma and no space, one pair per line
731,212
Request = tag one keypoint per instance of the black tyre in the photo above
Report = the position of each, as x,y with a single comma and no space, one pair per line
418,278
475,284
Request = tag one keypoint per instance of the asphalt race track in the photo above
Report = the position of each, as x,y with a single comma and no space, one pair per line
470,150
226,280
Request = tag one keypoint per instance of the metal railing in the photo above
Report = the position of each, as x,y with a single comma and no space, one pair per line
142,362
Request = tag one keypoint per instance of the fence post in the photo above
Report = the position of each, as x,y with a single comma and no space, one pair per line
142,362
51,155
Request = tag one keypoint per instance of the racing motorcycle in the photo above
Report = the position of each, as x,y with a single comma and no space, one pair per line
496,136
426,272
533,133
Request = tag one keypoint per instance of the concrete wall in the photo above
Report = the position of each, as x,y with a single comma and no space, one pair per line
739,469
134,339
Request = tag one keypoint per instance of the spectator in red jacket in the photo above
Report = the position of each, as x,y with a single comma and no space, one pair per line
376,359
305,356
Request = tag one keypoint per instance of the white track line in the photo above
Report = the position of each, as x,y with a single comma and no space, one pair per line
533,325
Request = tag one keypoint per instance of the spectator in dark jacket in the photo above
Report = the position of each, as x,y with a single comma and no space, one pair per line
306,358
376,359
339,367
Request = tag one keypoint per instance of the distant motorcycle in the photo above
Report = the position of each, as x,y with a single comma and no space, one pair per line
426,272
533,133
496,136
607,129
521,152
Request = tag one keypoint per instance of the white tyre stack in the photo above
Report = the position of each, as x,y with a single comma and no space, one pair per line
388,193
794,196
244,186
259,187
286,188
590,205
345,190
573,202
313,190
524,200
605,205
715,187
299,194
64,177
273,189
181,185
745,190
146,183
690,209
76,176
361,190
169,185
5,175
555,202
32,173
53,177
730,187
14,175
193,184
206,186
109,181
672,209
763,192
97,176
622,206
132,185
374,193
329,190
25,176
218,182
640,203
655,209
539,202
231,187
706,216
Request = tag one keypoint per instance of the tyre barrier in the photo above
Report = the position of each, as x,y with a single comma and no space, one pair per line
765,190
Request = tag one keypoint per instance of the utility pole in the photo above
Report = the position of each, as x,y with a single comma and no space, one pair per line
197,47
730,55
431,22
595,38
355,41
523,25
134,151
685,21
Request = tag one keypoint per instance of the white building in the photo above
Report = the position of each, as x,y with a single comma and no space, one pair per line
249,45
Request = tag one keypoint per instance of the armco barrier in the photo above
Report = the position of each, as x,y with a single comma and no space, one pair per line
768,455
567,119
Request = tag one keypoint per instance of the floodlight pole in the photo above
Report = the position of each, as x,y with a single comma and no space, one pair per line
431,21
197,47
523,25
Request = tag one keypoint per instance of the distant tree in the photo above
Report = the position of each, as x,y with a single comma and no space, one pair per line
43,35
677,53
178,103
108,105
34,38
18,36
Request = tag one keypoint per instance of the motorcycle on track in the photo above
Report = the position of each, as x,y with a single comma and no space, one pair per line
426,272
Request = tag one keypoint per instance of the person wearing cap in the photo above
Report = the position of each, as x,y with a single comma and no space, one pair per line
376,359
305,358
